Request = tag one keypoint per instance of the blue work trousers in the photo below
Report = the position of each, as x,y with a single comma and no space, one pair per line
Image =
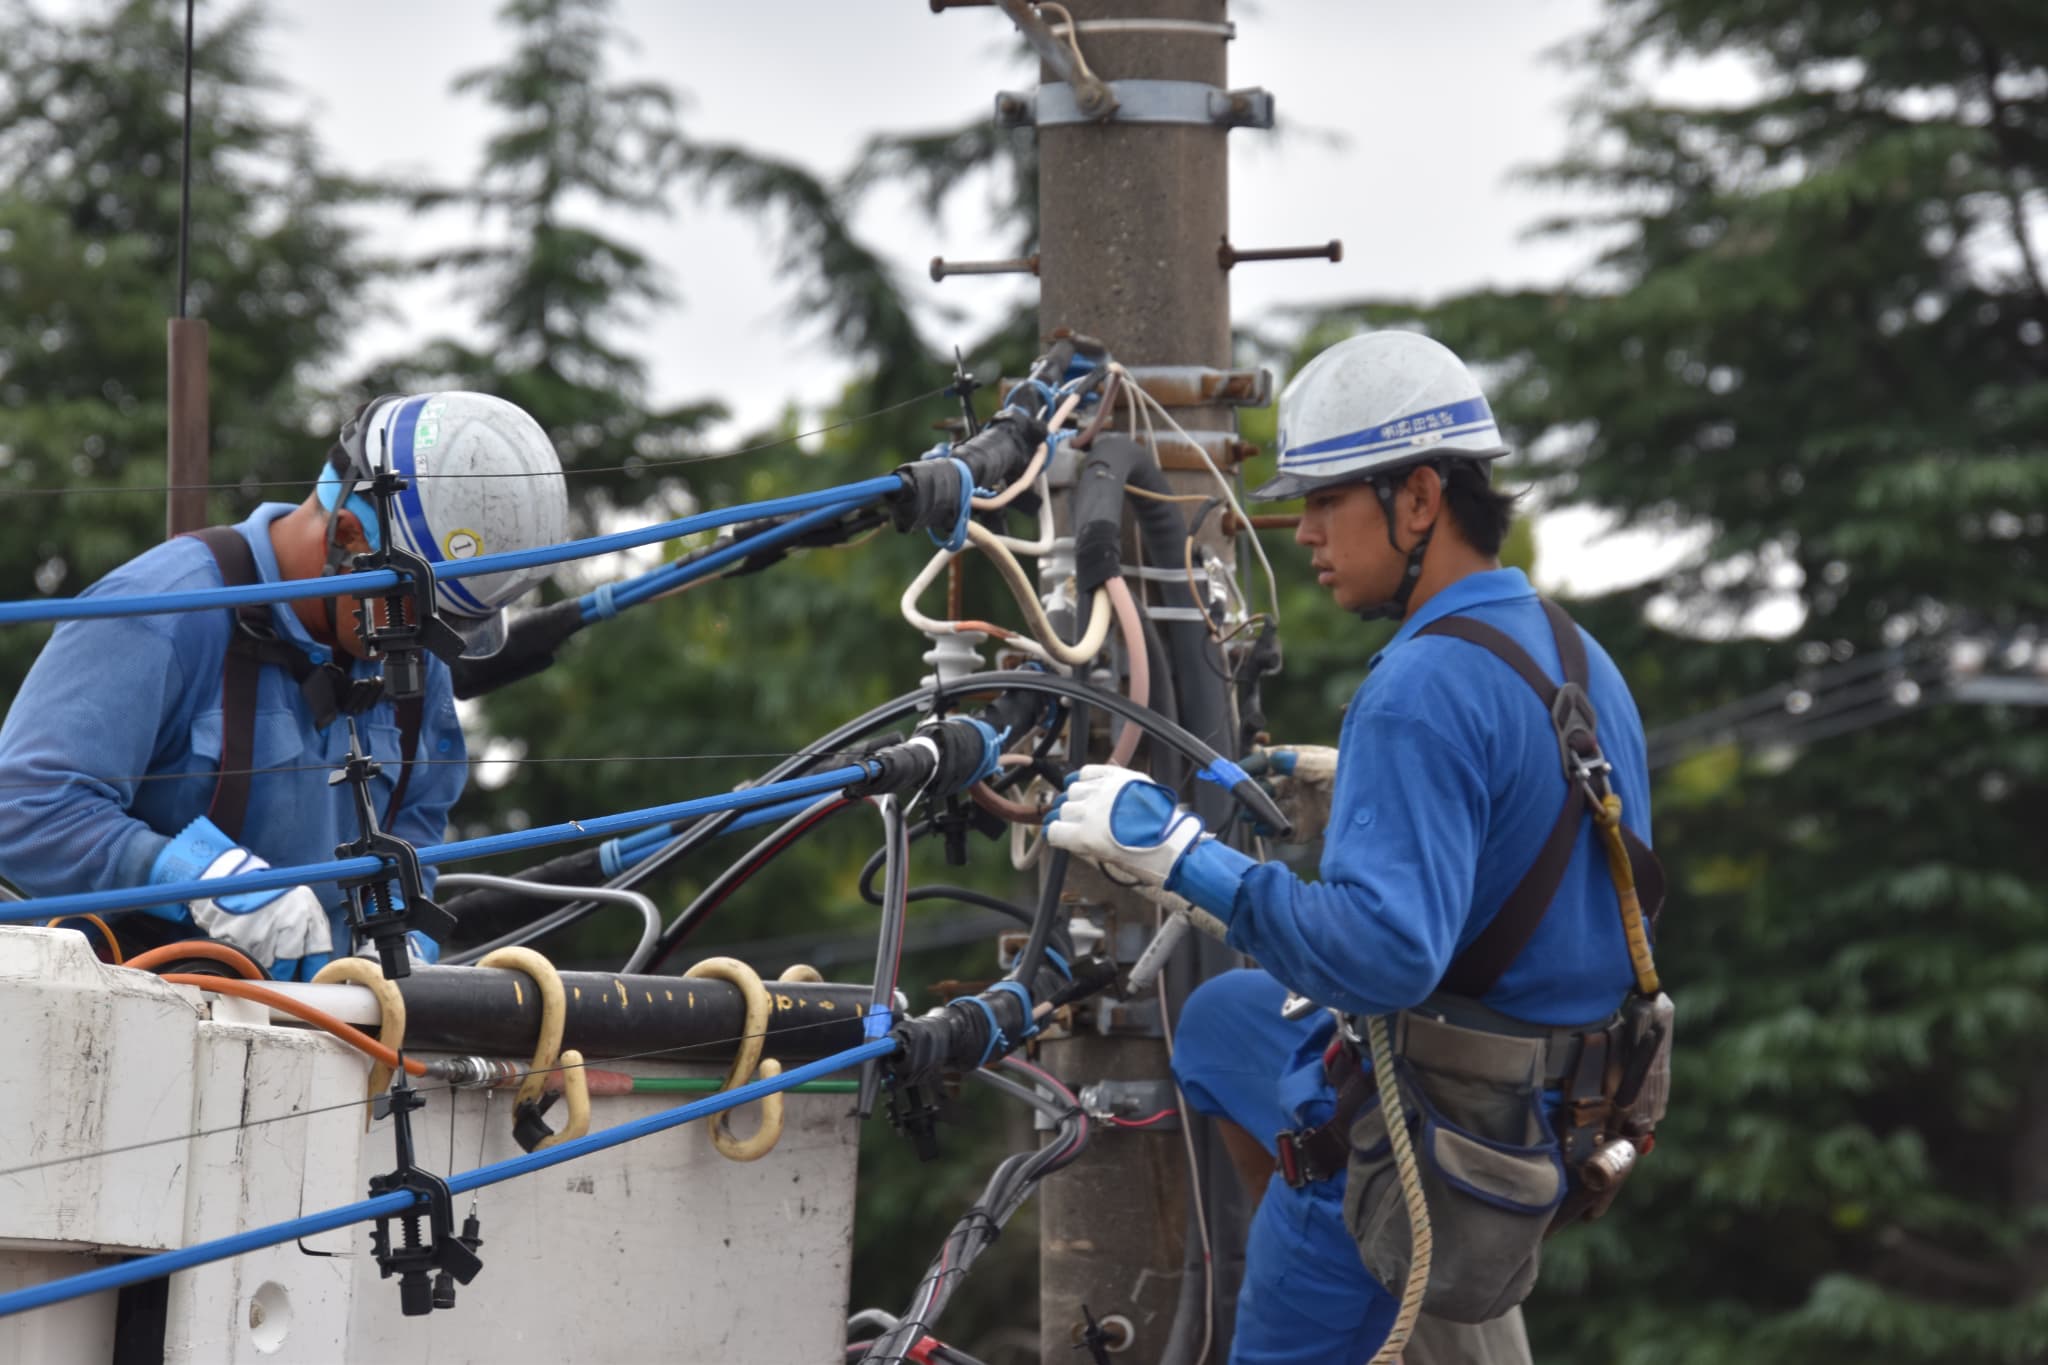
1307,1298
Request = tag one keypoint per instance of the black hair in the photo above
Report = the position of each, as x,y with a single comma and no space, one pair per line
1482,512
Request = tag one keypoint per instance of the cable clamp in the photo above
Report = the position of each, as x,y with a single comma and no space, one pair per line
449,1258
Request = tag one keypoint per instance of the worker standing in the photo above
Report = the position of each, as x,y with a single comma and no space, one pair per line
1465,897
148,750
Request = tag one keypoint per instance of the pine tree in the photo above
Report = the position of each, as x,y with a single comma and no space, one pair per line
1820,331
89,162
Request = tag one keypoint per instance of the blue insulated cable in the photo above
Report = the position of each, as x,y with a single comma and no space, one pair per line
277,1234
616,597
131,898
204,599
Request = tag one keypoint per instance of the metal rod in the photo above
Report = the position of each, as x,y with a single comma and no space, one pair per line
1228,255
1014,265
1261,521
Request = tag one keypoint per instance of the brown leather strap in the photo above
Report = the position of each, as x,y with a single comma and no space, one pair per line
240,672
1307,1155
1486,959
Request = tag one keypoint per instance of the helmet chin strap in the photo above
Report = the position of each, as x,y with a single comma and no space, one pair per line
1396,607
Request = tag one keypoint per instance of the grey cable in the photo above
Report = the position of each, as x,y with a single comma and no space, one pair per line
650,914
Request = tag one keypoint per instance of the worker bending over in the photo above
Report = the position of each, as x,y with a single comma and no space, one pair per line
146,750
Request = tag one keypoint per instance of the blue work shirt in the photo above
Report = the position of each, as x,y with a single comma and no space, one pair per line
110,747
1448,782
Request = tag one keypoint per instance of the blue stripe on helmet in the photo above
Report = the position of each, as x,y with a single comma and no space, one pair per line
1380,447
402,428
1391,432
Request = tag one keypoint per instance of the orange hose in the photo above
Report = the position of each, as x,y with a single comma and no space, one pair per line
113,944
278,1000
244,965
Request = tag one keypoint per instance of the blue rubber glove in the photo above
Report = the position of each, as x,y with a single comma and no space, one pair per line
1115,816
284,930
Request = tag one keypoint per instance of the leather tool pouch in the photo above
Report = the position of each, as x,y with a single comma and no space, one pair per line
1492,1169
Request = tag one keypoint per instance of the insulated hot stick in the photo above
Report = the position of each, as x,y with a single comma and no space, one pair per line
745,548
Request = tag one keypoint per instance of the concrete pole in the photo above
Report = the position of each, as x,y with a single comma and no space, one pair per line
1132,215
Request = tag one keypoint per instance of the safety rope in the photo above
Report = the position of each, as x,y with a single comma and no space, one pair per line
1422,1240
1607,818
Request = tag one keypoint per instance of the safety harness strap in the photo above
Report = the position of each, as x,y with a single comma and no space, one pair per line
1475,971
251,646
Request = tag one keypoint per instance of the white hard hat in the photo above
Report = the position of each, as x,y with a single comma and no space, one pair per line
481,478
1374,403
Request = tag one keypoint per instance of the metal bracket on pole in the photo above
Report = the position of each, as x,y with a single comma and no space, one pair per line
1174,102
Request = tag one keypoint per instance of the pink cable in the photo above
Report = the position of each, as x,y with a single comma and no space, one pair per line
1126,608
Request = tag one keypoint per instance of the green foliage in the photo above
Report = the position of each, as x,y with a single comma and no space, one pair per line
89,139
1819,333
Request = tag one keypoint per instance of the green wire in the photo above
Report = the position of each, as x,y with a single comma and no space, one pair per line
690,1085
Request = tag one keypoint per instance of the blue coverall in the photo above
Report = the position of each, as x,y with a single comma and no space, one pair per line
112,702
1448,781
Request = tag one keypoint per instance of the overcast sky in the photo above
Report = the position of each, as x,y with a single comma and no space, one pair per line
1411,119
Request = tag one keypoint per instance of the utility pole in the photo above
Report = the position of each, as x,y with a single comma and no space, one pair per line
1131,214
1132,116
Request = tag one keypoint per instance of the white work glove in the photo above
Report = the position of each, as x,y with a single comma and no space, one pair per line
1301,779
1117,816
285,931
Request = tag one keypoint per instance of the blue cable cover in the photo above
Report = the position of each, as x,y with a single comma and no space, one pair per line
996,1036
254,594
612,598
1224,773
1012,986
956,539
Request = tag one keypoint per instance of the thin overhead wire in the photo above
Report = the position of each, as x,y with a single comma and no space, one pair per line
641,466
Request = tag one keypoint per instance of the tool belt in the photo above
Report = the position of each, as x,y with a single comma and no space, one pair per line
1498,1174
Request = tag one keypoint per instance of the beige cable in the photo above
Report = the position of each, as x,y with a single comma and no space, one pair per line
361,971
747,1063
1012,573
548,1056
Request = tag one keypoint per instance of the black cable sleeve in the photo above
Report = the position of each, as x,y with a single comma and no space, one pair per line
531,639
